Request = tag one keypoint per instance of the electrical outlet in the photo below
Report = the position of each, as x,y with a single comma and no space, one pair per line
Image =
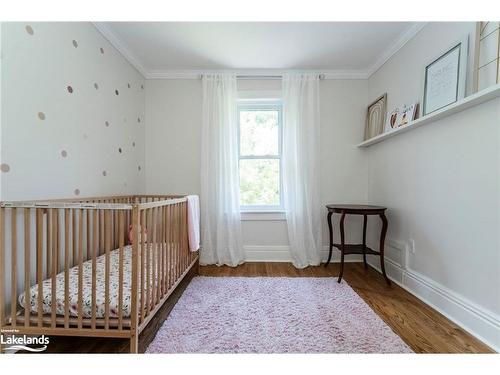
411,244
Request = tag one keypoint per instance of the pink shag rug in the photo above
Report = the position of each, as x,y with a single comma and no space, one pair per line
273,315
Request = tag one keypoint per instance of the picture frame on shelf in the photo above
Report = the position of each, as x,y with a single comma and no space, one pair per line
398,118
391,122
486,55
408,115
444,78
375,117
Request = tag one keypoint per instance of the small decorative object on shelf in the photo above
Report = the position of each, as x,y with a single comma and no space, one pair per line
392,120
375,117
487,55
445,78
398,118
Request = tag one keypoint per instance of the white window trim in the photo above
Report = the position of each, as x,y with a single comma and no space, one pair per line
264,104
263,216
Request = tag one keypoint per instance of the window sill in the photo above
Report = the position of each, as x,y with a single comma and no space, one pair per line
263,216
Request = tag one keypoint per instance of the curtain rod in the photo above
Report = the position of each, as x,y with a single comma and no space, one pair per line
321,76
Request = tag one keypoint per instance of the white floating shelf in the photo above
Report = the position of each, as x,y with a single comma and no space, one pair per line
470,101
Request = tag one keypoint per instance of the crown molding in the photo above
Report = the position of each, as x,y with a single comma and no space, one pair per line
399,43
120,46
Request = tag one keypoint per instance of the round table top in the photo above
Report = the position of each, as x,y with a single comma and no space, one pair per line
355,208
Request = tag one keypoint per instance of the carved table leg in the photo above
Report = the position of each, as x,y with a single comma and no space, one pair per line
342,244
330,229
382,242
364,241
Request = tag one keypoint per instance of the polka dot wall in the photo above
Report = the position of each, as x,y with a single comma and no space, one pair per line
73,117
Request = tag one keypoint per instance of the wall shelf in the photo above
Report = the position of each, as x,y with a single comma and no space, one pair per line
468,102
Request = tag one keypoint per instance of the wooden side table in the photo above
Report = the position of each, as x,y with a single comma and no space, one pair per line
346,249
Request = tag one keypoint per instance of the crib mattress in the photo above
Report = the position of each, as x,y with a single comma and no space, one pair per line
87,288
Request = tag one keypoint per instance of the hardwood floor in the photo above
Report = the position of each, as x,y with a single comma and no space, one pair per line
422,328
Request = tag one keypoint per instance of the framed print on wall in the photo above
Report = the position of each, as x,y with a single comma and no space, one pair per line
444,82
375,117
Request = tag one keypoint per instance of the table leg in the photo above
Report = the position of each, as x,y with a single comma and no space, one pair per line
364,241
342,244
382,242
330,230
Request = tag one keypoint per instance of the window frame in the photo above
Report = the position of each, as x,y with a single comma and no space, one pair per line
263,105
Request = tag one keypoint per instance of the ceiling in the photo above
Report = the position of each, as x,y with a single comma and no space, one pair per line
178,49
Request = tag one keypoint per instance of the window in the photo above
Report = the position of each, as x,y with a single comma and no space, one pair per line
260,155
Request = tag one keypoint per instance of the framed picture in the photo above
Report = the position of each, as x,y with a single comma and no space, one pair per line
408,115
398,118
392,120
375,117
444,81
486,55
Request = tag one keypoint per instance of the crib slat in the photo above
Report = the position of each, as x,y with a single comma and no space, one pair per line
142,237
169,246
177,243
39,265
167,269
174,255
121,235
167,250
48,244
75,247
87,247
80,269
2,266
115,225
181,238
182,234
107,225
175,239
158,255
154,274
67,218
27,266
13,282
95,240
162,250
101,230
148,263
135,217
55,217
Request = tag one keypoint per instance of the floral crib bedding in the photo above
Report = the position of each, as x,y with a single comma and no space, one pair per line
87,287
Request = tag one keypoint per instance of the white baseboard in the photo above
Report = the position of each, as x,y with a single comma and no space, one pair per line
282,254
476,320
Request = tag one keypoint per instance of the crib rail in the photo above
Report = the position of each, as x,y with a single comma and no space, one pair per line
60,245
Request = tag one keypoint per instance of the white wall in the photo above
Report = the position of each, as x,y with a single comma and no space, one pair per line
402,76
441,184
173,138
36,70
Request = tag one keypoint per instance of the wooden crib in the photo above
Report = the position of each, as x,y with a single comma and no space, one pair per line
100,267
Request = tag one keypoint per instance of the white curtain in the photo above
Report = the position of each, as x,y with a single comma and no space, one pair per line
301,127
220,206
